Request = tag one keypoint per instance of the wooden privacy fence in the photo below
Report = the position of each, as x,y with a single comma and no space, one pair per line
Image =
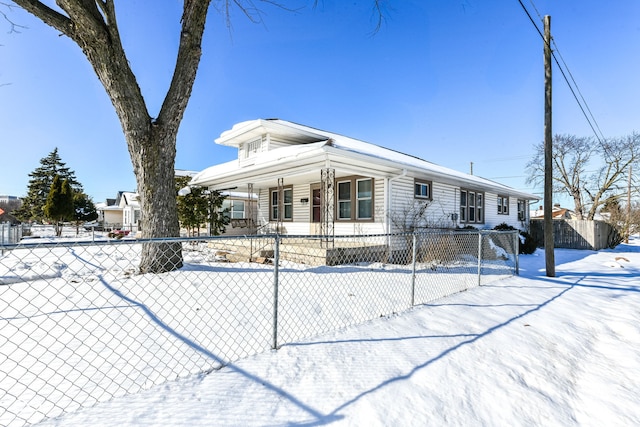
577,234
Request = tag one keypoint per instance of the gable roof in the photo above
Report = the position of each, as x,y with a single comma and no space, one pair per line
7,217
309,149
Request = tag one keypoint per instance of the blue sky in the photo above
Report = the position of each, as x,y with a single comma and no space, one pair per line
452,82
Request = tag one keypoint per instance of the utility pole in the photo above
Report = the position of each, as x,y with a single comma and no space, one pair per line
549,255
628,227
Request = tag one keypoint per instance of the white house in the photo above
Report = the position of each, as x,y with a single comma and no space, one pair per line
122,212
310,181
8,199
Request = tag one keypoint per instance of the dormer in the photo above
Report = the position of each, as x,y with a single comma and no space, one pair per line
259,136
251,149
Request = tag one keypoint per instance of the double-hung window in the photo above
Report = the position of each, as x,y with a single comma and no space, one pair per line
471,207
354,199
480,208
364,198
281,204
344,200
503,205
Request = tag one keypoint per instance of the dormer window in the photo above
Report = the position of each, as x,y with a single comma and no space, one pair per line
252,148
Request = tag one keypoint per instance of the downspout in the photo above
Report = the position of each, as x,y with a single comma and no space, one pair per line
387,200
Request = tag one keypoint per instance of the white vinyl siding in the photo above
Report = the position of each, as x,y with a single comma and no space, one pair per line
441,209
492,218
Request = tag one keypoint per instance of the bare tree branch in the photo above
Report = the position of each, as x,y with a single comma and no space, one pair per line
572,156
189,53
47,15
379,12
13,26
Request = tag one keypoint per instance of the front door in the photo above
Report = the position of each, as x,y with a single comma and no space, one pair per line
316,208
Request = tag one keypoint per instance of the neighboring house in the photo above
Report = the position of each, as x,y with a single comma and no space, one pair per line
6,217
122,212
309,181
557,212
8,199
108,212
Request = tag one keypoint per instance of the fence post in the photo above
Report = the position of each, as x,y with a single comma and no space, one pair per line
516,249
413,269
479,258
276,262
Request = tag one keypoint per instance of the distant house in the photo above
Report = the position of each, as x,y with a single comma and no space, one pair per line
557,212
7,217
310,181
9,203
5,199
122,212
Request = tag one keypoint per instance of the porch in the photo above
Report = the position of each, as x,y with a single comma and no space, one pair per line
312,251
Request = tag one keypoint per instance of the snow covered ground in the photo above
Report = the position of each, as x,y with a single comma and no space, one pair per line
528,350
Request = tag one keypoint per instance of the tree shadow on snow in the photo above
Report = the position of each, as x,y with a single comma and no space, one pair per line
576,282
318,417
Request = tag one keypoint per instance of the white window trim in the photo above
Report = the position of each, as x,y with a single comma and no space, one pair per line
503,205
359,199
478,210
422,182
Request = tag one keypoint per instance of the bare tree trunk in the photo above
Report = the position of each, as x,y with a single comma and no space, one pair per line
92,25
577,204
154,168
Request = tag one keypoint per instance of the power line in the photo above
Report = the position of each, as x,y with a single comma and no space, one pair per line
579,92
591,120
570,74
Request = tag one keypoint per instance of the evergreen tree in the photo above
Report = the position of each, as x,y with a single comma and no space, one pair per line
192,207
200,206
59,204
217,220
40,183
83,209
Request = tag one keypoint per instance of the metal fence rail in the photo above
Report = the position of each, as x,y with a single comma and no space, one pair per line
10,234
79,325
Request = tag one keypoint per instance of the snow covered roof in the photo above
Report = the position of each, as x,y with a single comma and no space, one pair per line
315,147
127,198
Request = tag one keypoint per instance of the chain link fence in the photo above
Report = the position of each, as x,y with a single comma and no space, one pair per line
10,234
79,325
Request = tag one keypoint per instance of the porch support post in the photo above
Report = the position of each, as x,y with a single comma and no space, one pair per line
250,208
280,205
327,179
250,215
